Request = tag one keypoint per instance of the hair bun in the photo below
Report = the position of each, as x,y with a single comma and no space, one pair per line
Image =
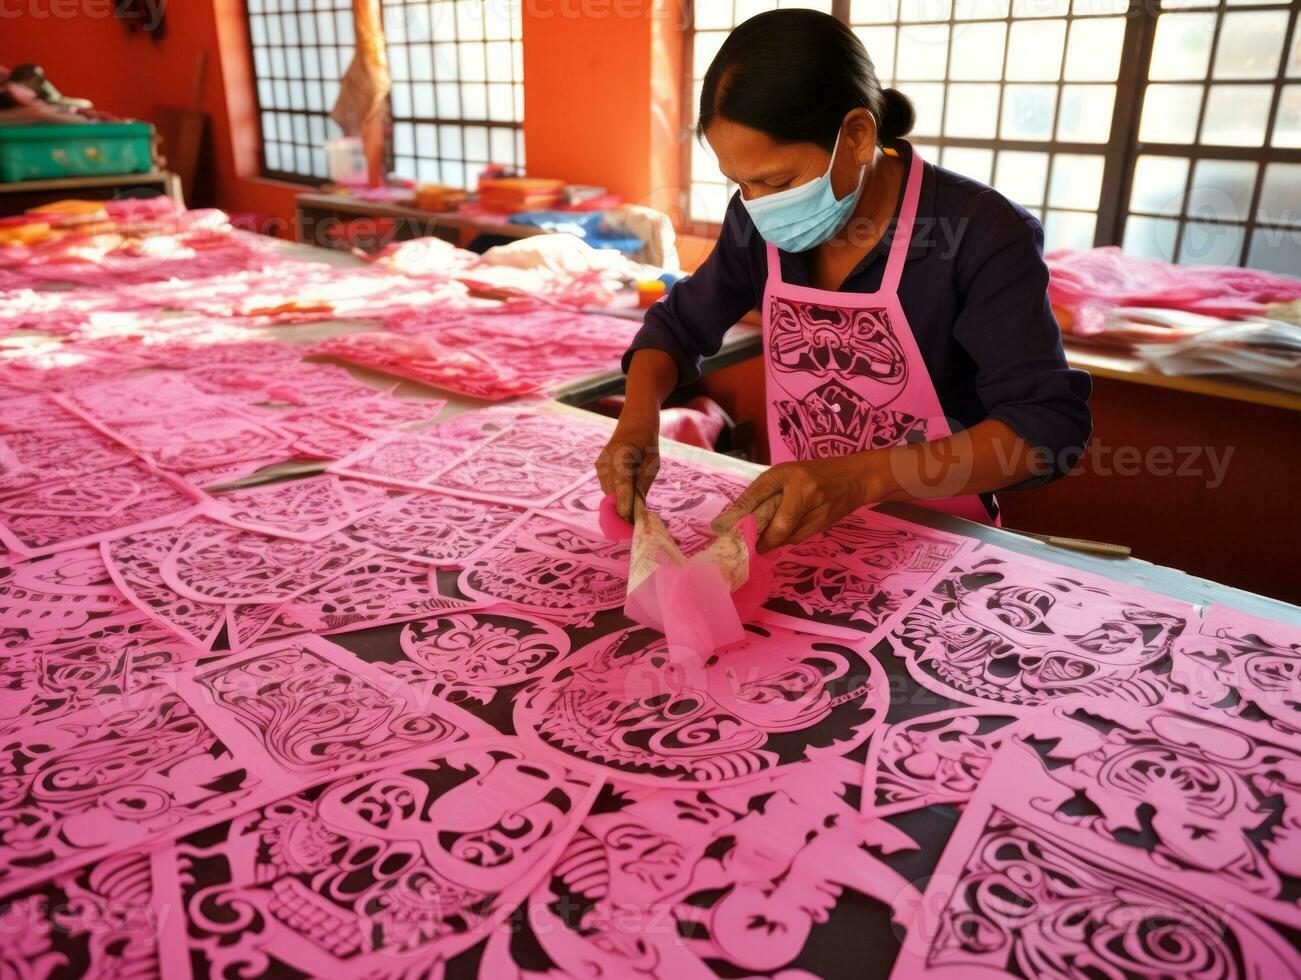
897,116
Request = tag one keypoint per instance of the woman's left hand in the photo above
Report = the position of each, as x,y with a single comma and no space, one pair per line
794,501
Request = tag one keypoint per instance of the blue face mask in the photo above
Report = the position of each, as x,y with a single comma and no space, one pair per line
803,217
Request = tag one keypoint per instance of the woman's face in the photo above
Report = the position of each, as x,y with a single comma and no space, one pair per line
760,165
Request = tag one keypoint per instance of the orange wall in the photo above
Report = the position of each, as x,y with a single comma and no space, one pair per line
601,88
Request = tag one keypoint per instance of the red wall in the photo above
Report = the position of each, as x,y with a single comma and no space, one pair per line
601,88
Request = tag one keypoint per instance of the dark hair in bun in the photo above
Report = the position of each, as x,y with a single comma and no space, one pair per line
795,75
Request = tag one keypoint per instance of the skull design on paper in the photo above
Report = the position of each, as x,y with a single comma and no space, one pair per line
779,697
471,655
380,872
1029,904
995,629
1244,672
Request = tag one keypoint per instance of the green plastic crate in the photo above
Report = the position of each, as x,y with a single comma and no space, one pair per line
48,152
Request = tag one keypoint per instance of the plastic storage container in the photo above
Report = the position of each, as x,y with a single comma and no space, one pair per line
51,151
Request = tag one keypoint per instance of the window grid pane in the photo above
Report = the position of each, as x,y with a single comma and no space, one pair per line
297,61
458,98
1215,139
1022,95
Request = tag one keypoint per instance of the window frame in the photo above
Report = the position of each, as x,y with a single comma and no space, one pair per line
278,173
515,127
265,171
1123,148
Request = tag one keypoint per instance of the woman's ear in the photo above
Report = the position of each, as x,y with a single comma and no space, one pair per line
860,127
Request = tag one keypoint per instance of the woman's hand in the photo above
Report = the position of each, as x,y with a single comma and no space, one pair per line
631,458
794,501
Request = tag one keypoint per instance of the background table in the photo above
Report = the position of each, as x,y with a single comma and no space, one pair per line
20,196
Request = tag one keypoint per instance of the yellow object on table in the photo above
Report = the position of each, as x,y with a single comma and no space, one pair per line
649,291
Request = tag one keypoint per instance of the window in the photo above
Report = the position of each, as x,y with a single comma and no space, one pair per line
1175,130
1218,161
708,191
301,49
458,94
457,101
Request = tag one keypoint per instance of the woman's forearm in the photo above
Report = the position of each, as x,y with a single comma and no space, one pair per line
652,376
989,456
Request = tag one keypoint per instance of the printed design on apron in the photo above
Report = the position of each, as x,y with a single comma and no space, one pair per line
843,370
838,346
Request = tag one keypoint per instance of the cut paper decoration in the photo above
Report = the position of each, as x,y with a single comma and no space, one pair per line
1000,628
408,460
216,563
101,921
339,431
1241,671
141,399
108,662
306,710
375,590
723,881
472,656
413,459
38,596
205,443
85,509
47,455
492,355
529,464
305,510
98,782
424,359
434,527
620,705
36,413
135,564
550,569
1196,803
382,874
1014,897
937,758
860,572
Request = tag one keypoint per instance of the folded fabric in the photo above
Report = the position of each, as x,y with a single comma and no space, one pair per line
699,602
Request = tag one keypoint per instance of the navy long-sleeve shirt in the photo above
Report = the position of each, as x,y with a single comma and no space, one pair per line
974,290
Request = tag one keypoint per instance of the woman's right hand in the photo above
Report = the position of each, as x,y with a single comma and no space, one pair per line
631,458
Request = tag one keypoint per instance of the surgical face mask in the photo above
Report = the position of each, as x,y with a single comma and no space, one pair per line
803,217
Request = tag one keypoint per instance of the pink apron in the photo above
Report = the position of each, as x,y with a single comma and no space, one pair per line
843,370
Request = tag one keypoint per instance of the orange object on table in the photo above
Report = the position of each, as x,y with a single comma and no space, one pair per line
23,229
511,194
649,291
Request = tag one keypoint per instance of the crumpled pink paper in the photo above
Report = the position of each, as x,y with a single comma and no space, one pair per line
691,603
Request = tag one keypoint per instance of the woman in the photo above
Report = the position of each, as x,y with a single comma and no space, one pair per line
910,350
